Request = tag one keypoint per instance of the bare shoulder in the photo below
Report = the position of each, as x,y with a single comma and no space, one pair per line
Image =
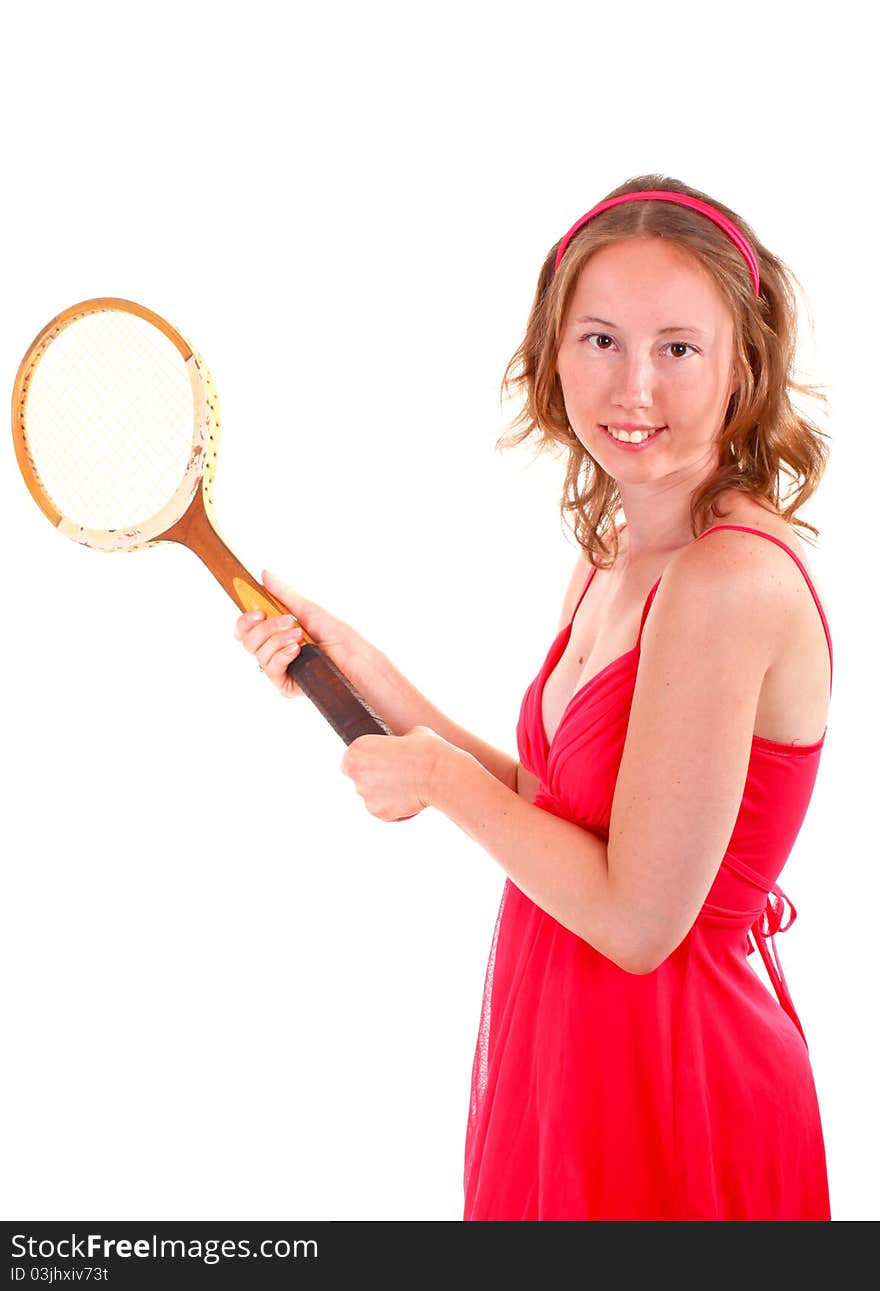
723,559
737,572
718,595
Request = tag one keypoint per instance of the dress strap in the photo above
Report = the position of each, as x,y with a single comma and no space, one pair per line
800,564
779,543
648,603
590,578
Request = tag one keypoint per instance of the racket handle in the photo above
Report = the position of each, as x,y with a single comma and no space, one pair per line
333,695
313,671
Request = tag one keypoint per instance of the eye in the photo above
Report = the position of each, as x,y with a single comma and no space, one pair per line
603,336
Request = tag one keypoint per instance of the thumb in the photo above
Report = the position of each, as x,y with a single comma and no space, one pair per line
282,591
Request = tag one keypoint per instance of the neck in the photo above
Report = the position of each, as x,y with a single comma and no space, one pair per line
658,518
659,523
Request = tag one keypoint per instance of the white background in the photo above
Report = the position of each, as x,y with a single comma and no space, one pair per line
227,991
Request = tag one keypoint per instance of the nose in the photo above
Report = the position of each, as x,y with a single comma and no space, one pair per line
635,388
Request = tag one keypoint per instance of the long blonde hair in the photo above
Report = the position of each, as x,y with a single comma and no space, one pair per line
763,436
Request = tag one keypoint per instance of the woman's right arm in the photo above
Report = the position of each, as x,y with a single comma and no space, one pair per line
274,642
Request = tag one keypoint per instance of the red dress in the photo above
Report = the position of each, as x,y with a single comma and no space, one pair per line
684,1093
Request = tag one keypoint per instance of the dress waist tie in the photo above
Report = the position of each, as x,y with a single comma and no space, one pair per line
765,927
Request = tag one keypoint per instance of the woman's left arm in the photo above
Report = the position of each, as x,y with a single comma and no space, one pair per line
713,630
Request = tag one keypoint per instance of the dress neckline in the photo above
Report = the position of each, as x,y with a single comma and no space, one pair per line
565,633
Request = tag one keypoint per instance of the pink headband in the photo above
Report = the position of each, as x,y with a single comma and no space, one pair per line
683,199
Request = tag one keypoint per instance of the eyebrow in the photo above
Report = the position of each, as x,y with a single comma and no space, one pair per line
590,318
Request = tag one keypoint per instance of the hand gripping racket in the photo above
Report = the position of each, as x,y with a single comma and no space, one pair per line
116,427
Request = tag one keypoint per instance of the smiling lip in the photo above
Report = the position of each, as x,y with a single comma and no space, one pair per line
630,425
626,446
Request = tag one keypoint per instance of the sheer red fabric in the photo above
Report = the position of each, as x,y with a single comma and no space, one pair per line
685,1093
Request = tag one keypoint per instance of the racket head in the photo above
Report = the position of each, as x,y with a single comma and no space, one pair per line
116,424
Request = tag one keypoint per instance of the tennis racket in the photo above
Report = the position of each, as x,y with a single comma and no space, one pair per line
116,426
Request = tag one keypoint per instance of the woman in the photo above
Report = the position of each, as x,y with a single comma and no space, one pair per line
630,1064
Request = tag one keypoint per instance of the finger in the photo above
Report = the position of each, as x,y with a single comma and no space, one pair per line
276,670
245,622
287,595
276,653
262,631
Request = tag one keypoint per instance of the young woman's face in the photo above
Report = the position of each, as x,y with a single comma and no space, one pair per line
647,340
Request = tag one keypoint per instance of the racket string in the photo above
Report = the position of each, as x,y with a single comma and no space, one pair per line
109,420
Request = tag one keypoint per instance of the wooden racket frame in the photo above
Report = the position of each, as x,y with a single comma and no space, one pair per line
188,518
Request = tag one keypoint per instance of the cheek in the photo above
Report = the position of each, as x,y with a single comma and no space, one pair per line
581,386
688,376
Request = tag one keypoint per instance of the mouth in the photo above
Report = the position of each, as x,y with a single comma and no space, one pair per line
638,443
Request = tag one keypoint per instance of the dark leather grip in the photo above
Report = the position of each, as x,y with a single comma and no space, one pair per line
333,695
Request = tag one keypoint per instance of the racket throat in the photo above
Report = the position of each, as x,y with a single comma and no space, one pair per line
196,529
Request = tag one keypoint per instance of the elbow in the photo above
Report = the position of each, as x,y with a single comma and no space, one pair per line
639,936
625,953
637,965
646,956
639,956
642,966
